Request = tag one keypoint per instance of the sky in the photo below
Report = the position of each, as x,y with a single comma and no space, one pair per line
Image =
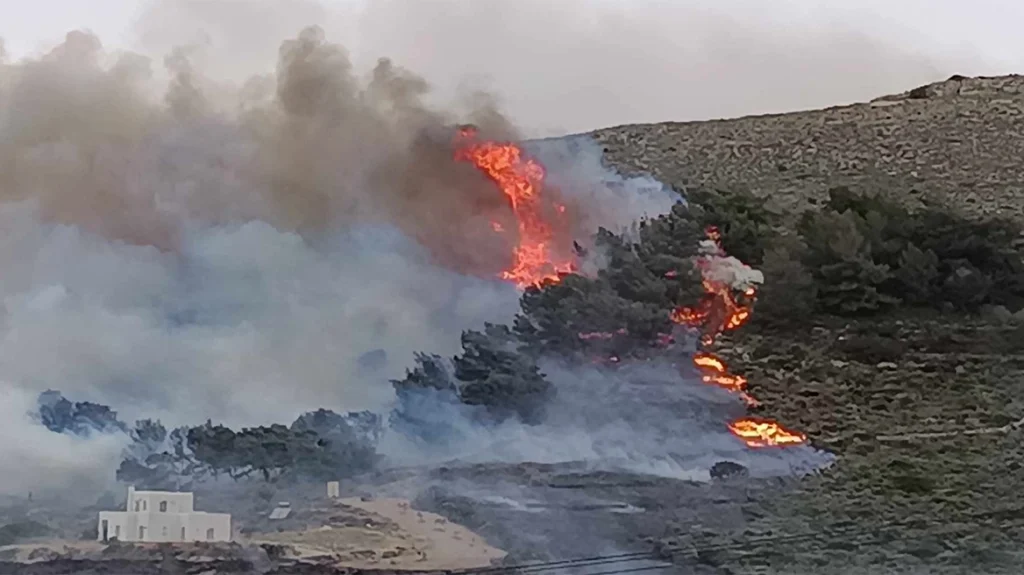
575,65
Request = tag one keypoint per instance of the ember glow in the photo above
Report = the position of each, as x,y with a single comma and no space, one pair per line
765,433
729,293
535,261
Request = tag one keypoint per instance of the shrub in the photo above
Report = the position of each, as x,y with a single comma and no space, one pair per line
867,254
789,293
839,259
748,227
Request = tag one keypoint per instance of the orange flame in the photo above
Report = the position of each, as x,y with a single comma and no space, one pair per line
521,179
765,433
718,311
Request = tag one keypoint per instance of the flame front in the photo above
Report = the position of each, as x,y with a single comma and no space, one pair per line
521,179
765,433
726,305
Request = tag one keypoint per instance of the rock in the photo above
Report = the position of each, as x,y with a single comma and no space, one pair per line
727,469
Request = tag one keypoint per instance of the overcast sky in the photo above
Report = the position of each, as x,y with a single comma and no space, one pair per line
571,65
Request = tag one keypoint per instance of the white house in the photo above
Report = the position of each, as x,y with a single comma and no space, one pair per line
162,516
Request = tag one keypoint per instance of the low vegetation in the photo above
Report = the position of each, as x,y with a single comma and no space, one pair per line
857,255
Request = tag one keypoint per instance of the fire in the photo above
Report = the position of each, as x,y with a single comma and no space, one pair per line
714,372
521,179
765,433
729,292
720,309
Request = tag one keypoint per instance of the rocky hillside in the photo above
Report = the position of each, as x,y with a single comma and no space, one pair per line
959,141
946,501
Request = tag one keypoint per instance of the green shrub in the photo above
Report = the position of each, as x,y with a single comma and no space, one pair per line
748,227
867,253
789,293
838,257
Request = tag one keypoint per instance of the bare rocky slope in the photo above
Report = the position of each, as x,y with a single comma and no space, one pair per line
959,141
951,502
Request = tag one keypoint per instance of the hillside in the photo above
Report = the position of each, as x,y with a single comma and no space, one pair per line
891,504
959,141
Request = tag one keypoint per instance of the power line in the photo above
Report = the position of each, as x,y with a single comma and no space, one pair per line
545,565
635,569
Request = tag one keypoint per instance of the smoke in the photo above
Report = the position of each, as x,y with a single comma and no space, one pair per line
35,459
577,65
190,250
641,418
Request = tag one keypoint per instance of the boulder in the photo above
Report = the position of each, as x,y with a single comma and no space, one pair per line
727,469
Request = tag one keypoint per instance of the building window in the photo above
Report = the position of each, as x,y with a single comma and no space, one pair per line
163,506
117,531
209,534
138,505
182,533
143,504
142,533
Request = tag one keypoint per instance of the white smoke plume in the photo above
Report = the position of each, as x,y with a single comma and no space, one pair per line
188,251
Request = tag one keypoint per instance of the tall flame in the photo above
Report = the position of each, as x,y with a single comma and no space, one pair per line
521,179
729,292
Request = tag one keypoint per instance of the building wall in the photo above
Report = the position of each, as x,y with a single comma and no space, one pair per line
162,501
209,527
120,525
161,517
165,527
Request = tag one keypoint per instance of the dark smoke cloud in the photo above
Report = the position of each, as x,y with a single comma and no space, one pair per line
311,150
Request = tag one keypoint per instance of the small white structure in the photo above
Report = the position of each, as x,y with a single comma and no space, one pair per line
160,517
333,489
282,511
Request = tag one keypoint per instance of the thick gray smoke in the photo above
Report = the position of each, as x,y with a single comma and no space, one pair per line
644,418
187,251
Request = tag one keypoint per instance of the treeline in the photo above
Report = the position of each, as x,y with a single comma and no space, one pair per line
618,313
861,254
855,255
321,445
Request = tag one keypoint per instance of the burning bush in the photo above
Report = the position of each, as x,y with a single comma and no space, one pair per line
748,228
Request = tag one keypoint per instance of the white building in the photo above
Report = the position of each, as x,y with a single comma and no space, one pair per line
162,516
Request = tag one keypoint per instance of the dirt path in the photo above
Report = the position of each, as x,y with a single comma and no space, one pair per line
390,535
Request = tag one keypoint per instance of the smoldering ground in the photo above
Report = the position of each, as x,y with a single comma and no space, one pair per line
187,252
649,418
